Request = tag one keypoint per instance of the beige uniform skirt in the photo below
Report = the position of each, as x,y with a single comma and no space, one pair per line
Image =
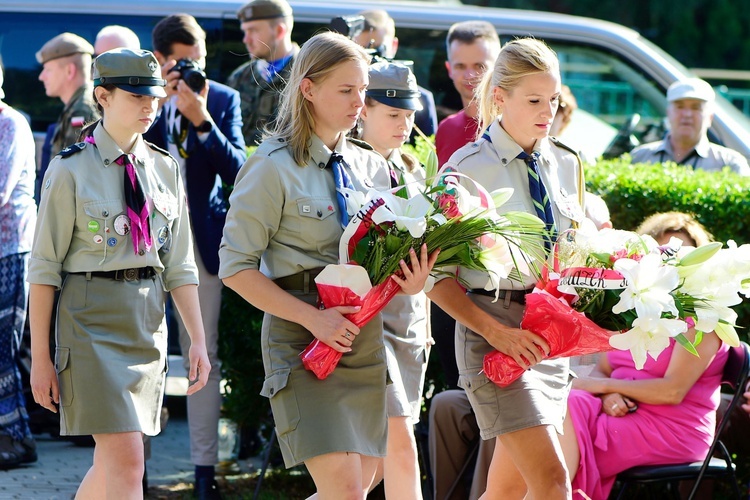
344,412
111,355
539,397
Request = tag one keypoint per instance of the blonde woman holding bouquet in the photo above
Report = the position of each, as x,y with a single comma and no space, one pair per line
518,100
284,225
386,121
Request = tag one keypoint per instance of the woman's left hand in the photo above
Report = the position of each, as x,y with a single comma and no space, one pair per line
416,276
200,367
617,405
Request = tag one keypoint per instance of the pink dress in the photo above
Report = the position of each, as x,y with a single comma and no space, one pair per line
653,434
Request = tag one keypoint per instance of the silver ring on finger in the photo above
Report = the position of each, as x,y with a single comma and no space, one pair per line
614,406
348,335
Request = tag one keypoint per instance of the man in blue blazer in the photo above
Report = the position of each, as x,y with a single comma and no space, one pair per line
200,124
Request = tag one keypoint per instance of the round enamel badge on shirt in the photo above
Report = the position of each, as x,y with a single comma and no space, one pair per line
163,234
112,242
122,225
93,226
98,239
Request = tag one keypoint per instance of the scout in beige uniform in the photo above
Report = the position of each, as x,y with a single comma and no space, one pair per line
113,220
283,225
518,101
386,122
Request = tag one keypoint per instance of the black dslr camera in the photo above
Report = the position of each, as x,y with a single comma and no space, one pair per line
349,26
191,73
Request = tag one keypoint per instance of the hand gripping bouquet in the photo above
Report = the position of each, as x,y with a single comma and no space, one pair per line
386,225
617,289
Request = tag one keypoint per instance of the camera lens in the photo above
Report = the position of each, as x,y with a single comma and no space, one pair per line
195,79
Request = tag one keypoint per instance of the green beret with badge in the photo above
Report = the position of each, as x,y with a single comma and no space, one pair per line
134,71
63,45
264,9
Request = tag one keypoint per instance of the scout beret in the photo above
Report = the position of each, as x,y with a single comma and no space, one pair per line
394,85
135,71
690,88
64,44
264,9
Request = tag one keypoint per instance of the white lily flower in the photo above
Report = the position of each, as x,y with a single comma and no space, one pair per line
408,214
649,286
355,200
498,260
649,335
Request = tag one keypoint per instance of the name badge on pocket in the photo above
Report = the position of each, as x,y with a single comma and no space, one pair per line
570,208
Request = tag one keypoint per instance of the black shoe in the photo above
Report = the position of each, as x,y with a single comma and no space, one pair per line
207,489
10,452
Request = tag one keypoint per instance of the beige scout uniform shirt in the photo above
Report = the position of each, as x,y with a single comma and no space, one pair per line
82,212
283,218
494,165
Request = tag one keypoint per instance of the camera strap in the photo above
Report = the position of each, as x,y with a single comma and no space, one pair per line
179,135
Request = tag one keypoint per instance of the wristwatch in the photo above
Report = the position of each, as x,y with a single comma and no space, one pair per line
206,126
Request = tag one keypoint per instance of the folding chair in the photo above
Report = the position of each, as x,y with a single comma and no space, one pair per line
719,467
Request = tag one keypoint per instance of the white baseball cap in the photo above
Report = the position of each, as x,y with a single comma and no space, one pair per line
690,88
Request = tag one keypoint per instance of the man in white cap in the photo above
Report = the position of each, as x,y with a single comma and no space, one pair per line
689,112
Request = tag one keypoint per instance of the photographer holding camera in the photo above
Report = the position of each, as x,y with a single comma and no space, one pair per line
200,124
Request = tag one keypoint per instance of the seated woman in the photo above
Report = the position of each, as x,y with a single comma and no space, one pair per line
620,417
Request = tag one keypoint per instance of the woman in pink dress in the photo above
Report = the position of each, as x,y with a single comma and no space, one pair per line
620,417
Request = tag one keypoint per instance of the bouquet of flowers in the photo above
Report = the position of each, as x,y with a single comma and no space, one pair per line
385,226
617,289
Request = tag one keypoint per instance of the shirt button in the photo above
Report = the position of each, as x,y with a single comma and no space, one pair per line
321,165
271,391
505,160
141,251
105,213
106,162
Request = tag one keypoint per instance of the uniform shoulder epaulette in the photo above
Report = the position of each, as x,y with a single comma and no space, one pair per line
470,148
362,144
157,148
72,149
556,142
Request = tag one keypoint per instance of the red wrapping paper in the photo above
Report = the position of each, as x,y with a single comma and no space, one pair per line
567,331
322,359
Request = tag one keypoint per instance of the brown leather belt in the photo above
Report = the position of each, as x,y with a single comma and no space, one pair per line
132,274
303,281
518,296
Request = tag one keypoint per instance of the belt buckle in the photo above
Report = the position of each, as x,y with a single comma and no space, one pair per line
130,274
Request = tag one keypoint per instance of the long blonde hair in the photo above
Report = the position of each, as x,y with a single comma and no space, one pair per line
517,58
317,59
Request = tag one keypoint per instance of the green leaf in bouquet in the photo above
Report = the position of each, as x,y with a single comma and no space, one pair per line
431,165
684,342
361,250
392,243
602,258
500,196
526,220
447,256
700,254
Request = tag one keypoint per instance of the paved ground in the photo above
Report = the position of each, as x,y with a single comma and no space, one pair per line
62,464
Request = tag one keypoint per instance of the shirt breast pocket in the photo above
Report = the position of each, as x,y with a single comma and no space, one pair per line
165,213
97,216
316,219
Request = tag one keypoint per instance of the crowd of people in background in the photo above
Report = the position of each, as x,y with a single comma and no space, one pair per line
334,112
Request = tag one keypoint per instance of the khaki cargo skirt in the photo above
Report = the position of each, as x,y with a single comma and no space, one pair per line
344,412
539,397
111,355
